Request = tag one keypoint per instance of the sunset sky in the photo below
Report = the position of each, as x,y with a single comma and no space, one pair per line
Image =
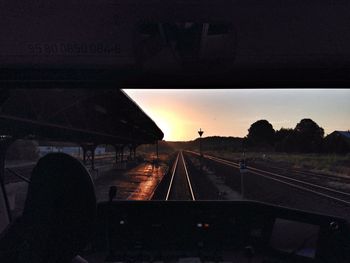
180,113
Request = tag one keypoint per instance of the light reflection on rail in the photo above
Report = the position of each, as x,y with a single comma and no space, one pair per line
174,170
299,184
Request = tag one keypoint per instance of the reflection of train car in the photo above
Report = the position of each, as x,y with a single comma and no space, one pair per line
243,39
187,44
218,42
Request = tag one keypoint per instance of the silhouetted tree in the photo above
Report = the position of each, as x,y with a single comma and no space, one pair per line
261,132
336,143
309,136
285,140
283,133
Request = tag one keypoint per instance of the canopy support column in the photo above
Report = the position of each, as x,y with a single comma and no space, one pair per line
89,154
116,148
122,154
134,150
157,153
84,154
118,153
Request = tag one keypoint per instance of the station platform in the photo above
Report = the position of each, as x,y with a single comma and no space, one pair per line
137,183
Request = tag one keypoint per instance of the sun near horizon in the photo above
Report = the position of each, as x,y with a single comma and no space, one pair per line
181,113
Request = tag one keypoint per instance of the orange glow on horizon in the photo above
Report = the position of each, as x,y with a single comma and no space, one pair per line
180,113
175,124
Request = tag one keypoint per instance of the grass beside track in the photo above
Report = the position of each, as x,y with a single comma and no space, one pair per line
332,164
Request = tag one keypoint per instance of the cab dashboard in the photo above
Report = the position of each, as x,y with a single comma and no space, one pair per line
216,231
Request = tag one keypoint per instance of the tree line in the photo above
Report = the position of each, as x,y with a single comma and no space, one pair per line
306,137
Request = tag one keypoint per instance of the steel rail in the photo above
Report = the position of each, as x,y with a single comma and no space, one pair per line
303,188
302,182
268,175
282,176
309,173
172,177
188,178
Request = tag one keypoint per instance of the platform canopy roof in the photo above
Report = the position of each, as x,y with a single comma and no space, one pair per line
83,116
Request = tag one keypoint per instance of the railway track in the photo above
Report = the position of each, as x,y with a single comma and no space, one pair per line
180,186
327,192
311,174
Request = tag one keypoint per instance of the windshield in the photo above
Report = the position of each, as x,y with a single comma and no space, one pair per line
287,147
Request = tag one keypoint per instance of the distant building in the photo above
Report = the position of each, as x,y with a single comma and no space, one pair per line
337,142
48,147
